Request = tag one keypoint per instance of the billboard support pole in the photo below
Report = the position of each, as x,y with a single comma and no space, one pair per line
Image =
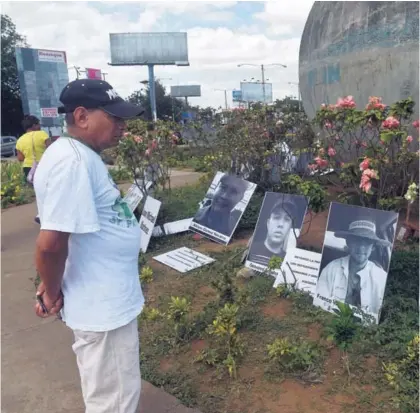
226,104
152,92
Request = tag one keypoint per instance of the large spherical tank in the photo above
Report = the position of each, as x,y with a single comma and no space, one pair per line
359,48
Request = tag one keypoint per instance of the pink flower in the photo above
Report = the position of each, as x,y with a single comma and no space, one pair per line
365,185
409,139
328,124
147,152
337,138
370,173
346,102
416,123
365,164
323,106
138,139
390,123
342,164
363,144
126,134
312,166
322,163
331,151
375,103
154,144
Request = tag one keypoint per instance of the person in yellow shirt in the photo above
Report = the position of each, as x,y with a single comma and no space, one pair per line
33,140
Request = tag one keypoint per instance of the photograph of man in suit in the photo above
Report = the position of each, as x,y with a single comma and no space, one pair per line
354,279
278,228
221,215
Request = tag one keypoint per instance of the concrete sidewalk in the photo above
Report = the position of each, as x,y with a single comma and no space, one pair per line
39,372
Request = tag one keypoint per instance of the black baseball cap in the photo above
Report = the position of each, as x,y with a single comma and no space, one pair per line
96,94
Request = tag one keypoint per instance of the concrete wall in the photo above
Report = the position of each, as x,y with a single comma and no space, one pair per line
359,48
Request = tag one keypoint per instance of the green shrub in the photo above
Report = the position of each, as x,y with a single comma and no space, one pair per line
301,356
344,326
14,188
120,174
403,377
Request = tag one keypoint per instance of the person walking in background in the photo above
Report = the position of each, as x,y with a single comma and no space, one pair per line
31,145
88,248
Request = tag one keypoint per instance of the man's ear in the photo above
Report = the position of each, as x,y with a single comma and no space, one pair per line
81,117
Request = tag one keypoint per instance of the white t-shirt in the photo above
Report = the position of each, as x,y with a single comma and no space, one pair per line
76,194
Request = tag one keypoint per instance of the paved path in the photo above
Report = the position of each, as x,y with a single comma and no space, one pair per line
39,372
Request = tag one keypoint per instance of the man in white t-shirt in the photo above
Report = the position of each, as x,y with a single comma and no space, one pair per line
87,250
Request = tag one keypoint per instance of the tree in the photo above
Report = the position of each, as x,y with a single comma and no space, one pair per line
166,106
11,105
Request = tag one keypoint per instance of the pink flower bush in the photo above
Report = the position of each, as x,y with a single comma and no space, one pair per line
328,124
416,124
365,164
138,139
409,139
154,144
390,123
126,134
375,103
332,152
147,152
346,102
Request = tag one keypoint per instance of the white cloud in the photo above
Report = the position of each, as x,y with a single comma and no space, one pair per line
82,30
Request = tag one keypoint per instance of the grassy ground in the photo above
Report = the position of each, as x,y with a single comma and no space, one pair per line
336,380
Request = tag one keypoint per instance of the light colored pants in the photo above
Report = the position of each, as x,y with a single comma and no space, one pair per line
109,366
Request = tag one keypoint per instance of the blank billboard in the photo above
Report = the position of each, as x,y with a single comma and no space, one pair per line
185,91
254,92
149,48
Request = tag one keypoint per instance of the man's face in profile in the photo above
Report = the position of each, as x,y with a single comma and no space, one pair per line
278,226
360,249
228,194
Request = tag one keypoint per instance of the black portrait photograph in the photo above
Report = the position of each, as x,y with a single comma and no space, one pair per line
356,256
222,207
278,226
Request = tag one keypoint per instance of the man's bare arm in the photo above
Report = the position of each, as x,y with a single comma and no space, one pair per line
51,255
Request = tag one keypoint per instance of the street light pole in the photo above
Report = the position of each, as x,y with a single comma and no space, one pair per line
263,82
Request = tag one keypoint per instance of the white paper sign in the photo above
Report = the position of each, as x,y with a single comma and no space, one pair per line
147,221
134,195
300,267
184,259
172,227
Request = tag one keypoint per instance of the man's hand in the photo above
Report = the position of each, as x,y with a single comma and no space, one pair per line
52,304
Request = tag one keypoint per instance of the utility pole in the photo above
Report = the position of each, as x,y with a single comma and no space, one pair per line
225,92
263,82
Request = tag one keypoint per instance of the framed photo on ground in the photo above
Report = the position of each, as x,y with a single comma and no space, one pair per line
355,259
222,208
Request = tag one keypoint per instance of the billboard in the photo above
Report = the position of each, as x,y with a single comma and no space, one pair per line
185,91
254,92
42,76
169,48
236,96
93,73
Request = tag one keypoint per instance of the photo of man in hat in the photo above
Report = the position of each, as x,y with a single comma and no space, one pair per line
278,226
221,215
356,279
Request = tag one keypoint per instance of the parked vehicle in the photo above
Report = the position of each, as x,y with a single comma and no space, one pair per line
8,146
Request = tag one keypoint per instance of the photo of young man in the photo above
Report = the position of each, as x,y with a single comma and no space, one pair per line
223,207
356,256
278,227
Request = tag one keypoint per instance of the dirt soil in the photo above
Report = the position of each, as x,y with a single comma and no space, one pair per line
336,389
